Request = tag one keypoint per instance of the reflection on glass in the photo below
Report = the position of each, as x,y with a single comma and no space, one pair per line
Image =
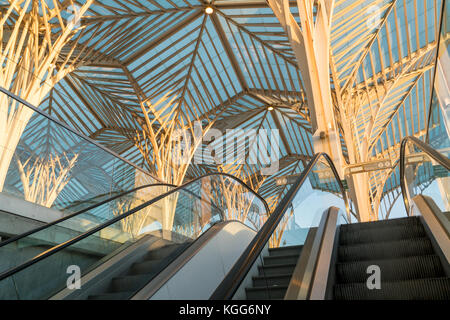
177,219
320,191
55,168
424,175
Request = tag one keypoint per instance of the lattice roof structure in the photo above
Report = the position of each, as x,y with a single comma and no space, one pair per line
229,67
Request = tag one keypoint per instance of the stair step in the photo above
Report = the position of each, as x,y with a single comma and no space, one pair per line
407,221
145,267
385,250
129,282
282,251
419,289
408,268
264,293
276,269
277,280
276,260
112,296
383,234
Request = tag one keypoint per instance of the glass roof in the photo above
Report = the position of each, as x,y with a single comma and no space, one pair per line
230,66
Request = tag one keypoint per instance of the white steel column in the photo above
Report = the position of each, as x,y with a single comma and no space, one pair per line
311,45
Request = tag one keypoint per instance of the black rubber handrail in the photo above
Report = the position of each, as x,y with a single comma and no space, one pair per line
78,238
234,278
45,226
438,45
435,155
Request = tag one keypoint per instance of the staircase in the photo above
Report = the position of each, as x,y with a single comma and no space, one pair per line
140,273
274,274
410,269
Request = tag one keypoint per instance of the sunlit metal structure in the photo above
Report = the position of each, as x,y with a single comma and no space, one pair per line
347,77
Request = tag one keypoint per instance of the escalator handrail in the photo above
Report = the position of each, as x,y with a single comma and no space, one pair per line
232,281
69,216
435,155
82,236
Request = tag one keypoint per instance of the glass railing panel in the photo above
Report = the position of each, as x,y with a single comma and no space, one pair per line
424,175
320,191
45,163
17,252
391,204
179,217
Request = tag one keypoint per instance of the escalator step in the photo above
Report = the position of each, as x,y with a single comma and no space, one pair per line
407,221
385,250
144,267
419,289
416,267
282,251
276,269
162,252
112,296
278,280
287,259
381,234
129,282
262,293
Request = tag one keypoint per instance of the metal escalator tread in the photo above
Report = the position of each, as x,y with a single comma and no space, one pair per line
138,274
275,274
409,267
382,233
418,289
385,249
111,296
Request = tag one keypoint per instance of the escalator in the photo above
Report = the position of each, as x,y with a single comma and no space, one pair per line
121,254
410,267
402,258
307,248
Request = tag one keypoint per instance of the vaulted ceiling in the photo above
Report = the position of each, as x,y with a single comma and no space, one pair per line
235,63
